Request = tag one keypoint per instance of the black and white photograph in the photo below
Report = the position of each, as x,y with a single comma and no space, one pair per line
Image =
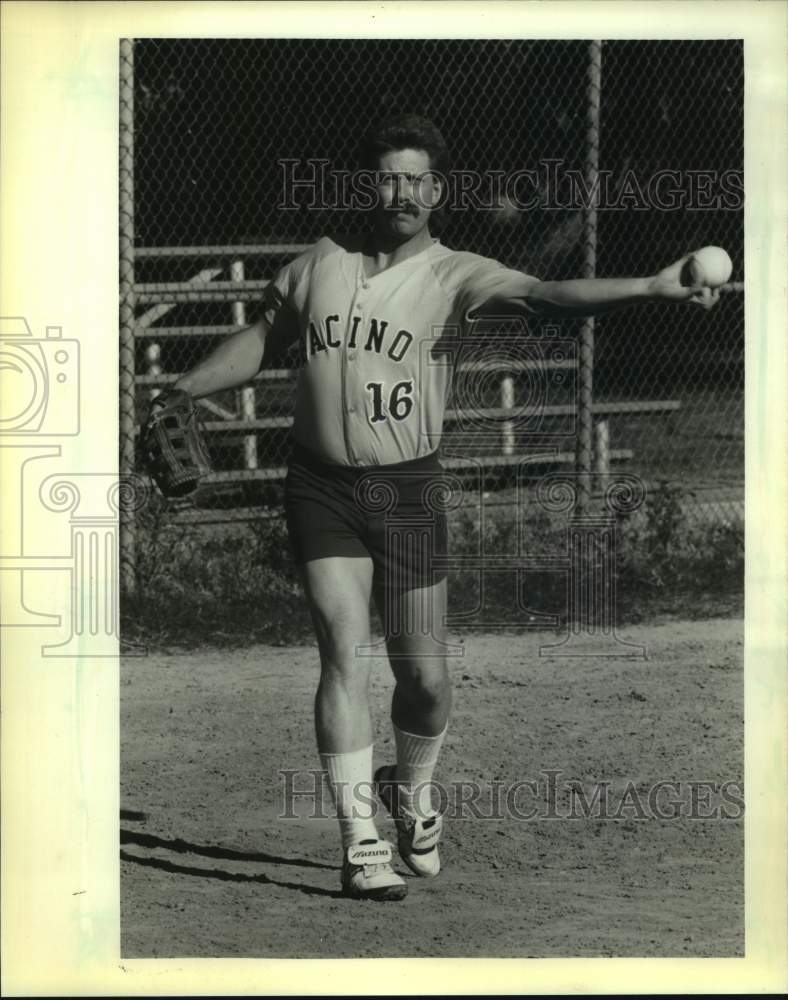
438,403
438,364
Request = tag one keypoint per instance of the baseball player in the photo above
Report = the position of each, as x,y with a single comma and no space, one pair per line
366,429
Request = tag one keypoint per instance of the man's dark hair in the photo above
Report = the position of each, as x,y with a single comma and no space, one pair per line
405,132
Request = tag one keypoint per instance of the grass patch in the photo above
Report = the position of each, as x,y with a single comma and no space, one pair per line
232,585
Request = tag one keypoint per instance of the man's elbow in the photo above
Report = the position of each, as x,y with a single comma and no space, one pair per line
502,306
542,300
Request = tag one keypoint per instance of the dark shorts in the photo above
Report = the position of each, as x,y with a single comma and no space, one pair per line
395,514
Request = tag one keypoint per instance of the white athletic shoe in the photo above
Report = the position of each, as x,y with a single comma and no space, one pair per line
367,872
417,838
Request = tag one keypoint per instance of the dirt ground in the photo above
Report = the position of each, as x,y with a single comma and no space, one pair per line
209,870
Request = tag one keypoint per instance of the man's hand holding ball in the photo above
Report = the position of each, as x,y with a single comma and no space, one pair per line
696,277
708,266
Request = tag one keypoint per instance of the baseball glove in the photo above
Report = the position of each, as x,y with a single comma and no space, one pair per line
172,444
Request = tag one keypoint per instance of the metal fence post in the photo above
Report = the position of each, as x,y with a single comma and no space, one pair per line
507,403
127,542
602,448
585,437
238,273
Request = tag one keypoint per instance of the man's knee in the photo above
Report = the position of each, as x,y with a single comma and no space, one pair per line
425,683
340,662
339,640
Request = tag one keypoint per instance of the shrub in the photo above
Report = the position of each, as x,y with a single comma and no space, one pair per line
223,583
237,583
664,558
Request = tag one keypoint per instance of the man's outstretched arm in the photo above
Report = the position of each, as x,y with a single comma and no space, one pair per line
240,357
234,362
592,296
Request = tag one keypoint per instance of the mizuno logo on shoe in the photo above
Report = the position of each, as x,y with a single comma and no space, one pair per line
427,833
364,855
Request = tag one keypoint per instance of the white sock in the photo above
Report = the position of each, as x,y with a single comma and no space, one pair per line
350,782
416,760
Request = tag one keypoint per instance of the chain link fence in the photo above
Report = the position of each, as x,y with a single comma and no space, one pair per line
672,117
629,154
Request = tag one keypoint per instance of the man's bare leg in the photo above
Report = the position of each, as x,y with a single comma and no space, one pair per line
415,639
338,592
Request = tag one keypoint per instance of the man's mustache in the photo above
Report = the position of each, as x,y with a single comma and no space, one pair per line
408,207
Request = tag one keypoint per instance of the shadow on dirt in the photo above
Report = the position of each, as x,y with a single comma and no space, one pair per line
147,840
226,853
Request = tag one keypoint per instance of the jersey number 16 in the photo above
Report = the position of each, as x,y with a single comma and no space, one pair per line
400,401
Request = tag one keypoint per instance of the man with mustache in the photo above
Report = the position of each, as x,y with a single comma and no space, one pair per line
366,430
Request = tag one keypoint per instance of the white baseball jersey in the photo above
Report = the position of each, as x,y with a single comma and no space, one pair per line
373,387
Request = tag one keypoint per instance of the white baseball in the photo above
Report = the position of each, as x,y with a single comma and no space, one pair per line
711,266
